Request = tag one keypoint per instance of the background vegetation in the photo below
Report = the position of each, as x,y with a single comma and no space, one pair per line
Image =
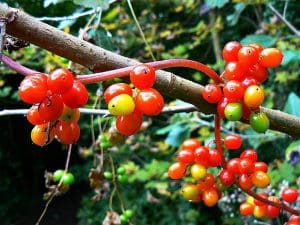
174,29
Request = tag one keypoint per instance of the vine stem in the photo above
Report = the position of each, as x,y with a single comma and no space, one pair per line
97,77
56,188
163,64
218,139
267,201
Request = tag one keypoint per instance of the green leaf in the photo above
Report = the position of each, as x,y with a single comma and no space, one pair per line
103,4
259,139
233,18
286,171
178,134
216,3
265,40
290,56
102,38
168,128
292,105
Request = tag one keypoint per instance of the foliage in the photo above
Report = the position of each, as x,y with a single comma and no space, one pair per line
174,29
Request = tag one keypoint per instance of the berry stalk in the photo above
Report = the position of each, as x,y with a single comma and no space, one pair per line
16,66
218,139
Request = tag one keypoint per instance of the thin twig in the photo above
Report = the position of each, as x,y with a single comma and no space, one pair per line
291,26
140,29
71,17
57,187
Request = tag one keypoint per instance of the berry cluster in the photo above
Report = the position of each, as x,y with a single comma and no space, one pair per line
56,99
126,216
262,210
66,179
121,175
130,105
241,95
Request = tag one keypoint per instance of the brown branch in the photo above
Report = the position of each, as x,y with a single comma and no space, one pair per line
97,59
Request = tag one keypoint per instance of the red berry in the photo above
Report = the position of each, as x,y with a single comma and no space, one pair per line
233,90
143,76
233,165
258,202
233,141
215,158
246,209
226,177
149,101
246,166
77,96
60,81
33,89
245,181
261,166
191,144
201,155
233,71
289,194
115,90
210,197
249,154
221,106
257,46
212,93
207,182
67,133
51,108
270,57
42,134
177,171
248,56
258,72
272,211
129,124
33,116
230,51
185,156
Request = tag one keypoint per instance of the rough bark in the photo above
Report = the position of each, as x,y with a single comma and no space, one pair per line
98,59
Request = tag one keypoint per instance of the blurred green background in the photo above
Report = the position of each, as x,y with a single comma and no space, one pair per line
190,29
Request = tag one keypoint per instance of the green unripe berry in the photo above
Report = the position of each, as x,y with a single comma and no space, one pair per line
123,219
121,171
129,213
122,178
68,179
233,111
259,122
57,175
107,175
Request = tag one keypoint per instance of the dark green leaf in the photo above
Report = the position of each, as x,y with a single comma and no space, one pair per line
292,105
102,38
290,56
286,171
265,40
178,134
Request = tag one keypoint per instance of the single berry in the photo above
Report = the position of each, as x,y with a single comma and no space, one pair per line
143,76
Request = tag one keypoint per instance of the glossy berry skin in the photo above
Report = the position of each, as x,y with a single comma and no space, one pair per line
57,175
230,51
272,211
248,81
121,105
190,192
33,89
67,133
33,115
121,171
248,56
69,114
202,156
210,197
198,171
260,179
233,90
129,124
115,90
149,101
233,165
233,111
233,141
257,46
51,108
122,178
258,72
249,154
245,181
233,71
261,166
107,175
260,212
185,156
215,158
259,122
129,213
143,76
191,144
270,57
246,166
68,179
212,93
226,177
77,96
254,96
41,136
246,209
221,106
207,182
258,202
177,171
60,81
289,195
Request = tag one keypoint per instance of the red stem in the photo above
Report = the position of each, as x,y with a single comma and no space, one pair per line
16,66
169,63
267,201
218,138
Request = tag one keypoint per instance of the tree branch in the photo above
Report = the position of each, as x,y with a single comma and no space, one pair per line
97,59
